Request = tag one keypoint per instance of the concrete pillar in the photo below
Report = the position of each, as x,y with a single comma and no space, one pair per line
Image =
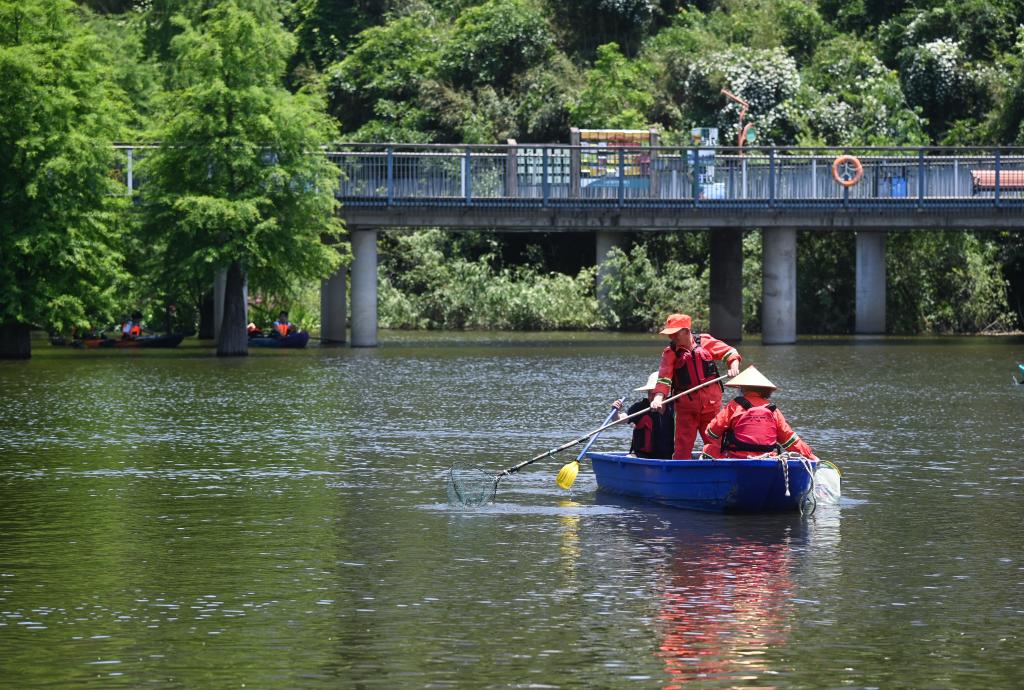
333,309
364,288
726,284
220,282
603,243
870,308
778,297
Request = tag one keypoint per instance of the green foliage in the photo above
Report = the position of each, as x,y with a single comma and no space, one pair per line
617,94
384,69
854,99
424,284
1006,121
61,217
945,282
324,28
585,25
643,287
825,283
239,176
495,41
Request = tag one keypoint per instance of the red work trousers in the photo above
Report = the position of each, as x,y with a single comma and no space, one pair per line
693,413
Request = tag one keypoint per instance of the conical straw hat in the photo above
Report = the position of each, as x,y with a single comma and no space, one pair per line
652,381
751,378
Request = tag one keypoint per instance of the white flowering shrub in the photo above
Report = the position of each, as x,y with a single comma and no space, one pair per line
766,79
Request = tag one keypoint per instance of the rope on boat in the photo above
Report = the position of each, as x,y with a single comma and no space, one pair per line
784,459
808,496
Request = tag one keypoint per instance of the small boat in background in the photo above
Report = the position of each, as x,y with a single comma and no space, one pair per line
720,486
1020,365
292,340
172,340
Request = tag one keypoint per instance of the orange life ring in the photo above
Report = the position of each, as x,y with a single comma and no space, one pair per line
847,170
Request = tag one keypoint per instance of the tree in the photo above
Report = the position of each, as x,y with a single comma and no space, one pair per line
59,203
239,181
617,94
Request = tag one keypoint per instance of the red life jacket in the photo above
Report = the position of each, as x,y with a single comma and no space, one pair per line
752,430
643,436
135,331
693,367
281,328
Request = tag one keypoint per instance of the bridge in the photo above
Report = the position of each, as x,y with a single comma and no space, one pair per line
607,192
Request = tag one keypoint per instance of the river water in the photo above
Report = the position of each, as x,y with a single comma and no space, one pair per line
171,520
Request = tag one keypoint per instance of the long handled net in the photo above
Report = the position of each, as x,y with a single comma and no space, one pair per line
470,486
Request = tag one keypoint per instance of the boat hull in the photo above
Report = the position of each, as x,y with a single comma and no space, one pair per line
145,341
293,340
720,486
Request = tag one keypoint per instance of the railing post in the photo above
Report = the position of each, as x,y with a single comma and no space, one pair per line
390,172
469,178
622,174
920,177
131,173
998,168
511,173
545,184
771,177
695,177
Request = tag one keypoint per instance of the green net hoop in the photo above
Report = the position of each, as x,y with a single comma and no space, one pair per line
470,486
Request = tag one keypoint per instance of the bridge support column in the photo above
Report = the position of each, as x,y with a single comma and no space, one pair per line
333,309
603,243
870,291
726,284
778,295
364,288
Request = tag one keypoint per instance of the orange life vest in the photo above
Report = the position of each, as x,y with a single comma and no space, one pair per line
282,328
136,331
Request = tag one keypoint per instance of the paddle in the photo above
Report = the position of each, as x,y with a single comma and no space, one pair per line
567,475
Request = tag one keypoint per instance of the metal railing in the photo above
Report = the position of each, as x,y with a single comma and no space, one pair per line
556,175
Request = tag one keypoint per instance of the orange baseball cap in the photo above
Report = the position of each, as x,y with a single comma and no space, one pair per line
675,323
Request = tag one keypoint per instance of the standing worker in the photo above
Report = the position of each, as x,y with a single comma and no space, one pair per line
688,361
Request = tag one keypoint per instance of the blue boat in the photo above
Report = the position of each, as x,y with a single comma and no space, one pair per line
720,486
292,340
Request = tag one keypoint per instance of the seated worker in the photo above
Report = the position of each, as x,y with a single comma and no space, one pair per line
283,326
253,330
750,425
132,328
652,432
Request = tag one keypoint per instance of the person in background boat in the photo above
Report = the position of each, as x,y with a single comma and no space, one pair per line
283,326
652,432
170,316
688,361
253,330
132,328
750,425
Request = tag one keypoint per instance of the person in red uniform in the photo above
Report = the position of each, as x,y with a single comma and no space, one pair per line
688,361
750,425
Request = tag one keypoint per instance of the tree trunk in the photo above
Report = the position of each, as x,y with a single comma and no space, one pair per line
233,341
15,340
206,316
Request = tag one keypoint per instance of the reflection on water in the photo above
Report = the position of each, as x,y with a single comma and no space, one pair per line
281,522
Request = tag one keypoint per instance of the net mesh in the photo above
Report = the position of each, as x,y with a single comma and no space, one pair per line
469,485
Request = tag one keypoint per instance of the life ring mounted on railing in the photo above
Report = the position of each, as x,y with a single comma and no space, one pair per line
847,170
